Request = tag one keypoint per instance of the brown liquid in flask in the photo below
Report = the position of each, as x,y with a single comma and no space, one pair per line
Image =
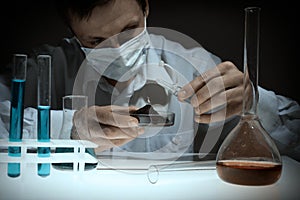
248,155
249,172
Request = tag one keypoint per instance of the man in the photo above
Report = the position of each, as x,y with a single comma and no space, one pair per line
215,88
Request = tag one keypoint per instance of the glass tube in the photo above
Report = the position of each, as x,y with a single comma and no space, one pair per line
154,171
71,104
251,56
17,110
44,104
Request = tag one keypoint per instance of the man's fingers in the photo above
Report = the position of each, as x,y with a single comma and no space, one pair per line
232,108
215,103
113,115
110,137
110,132
189,89
104,144
224,75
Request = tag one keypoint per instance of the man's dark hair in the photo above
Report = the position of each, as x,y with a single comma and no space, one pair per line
83,8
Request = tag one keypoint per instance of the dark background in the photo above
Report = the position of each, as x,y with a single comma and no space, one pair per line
217,25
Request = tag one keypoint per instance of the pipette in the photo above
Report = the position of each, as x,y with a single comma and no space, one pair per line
155,170
173,88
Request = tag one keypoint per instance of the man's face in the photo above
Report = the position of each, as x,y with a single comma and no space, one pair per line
106,21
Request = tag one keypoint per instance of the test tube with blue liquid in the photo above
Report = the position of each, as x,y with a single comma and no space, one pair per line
44,104
17,110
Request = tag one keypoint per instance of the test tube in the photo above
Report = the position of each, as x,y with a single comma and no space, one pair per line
17,96
44,104
155,170
17,110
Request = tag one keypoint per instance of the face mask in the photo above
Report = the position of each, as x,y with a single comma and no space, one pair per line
120,63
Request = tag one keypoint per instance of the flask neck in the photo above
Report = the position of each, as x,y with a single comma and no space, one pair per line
251,59
254,96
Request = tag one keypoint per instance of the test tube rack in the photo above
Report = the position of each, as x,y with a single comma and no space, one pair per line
78,157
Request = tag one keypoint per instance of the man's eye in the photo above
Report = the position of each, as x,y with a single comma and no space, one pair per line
128,34
94,43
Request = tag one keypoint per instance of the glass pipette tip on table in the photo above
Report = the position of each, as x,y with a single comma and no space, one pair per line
155,170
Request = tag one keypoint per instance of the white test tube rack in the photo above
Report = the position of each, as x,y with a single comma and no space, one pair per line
78,157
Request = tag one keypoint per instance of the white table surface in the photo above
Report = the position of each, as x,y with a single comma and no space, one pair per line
134,184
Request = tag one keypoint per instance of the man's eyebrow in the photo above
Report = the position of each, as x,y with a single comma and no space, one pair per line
95,38
132,24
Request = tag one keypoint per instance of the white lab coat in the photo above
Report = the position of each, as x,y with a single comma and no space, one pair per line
279,115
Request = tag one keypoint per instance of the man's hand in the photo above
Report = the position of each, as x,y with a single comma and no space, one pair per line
107,126
217,94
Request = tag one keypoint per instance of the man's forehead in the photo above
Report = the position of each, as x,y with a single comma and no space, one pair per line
110,7
103,19
113,27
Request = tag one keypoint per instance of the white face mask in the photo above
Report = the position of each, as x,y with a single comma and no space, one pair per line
120,63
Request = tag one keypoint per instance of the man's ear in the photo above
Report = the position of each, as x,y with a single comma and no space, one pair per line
146,9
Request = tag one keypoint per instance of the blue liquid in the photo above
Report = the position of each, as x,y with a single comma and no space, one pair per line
16,111
43,169
16,124
44,125
13,169
44,136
